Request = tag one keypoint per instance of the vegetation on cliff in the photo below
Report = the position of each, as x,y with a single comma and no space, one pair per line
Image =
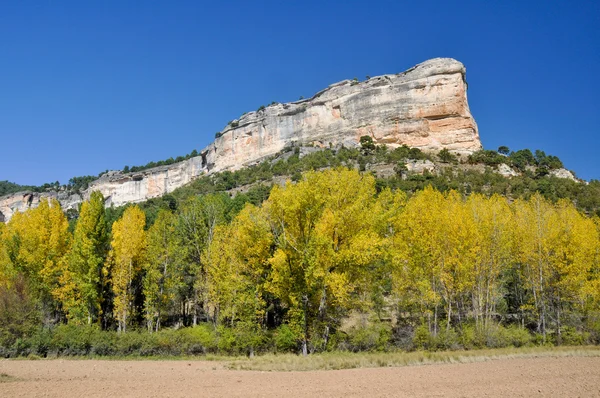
338,260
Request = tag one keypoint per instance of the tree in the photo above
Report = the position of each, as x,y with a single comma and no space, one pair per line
533,233
503,150
323,239
197,222
446,156
36,244
86,261
415,256
435,254
494,226
127,256
367,144
573,247
164,275
238,271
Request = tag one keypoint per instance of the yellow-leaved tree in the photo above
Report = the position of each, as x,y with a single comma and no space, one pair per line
572,250
128,249
324,238
434,254
494,225
415,256
535,226
83,290
36,243
237,273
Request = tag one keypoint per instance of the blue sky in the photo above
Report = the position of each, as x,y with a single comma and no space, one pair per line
87,86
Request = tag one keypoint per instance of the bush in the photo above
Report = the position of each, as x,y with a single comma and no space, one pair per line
517,336
493,336
446,156
226,341
447,339
570,336
487,157
422,339
374,336
285,339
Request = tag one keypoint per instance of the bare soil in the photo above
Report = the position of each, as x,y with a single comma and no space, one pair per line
533,377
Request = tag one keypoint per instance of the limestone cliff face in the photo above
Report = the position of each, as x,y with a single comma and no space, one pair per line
20,202
425,107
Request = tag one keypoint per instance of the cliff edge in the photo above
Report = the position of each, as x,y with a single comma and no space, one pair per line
424,107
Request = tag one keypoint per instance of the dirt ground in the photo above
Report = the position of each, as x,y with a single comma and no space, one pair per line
537,377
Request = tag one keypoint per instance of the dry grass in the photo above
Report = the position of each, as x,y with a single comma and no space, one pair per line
346,360
5,378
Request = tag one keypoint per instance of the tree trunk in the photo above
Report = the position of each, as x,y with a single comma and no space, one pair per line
305,337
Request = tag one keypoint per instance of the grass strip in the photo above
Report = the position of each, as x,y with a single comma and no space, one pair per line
348,360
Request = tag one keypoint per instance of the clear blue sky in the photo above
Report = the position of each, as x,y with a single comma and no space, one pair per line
92,85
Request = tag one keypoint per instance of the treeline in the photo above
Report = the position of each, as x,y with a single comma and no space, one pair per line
522,160
330,262
81,183
260,177
165,162
75,184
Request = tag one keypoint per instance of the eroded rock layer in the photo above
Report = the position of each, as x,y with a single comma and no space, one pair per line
425,107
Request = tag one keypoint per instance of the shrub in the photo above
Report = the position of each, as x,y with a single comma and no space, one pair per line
570,336
487,157
493,336
447,339
286,339
374,336
226,341
367,144
446,156
517,336
422,338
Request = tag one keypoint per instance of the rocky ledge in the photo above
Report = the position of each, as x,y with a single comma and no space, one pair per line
424,107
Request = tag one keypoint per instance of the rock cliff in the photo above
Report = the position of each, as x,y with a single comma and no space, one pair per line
424,107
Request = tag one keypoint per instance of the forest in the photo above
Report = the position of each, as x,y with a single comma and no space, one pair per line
333,261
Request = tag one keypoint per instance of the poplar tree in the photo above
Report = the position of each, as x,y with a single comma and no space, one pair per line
86,260
163,270
127,256
238,271
36,244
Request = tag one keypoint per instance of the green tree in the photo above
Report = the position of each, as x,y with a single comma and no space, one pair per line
446,156
367,144
197,222
164,275
504,150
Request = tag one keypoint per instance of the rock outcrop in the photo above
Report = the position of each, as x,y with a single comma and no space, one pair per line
563,173
425,107
21,201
